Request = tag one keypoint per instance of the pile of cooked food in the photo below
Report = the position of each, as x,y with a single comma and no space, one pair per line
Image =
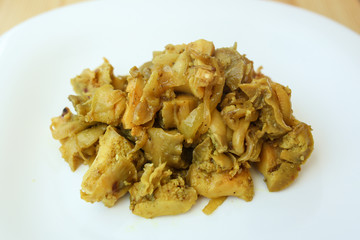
191,122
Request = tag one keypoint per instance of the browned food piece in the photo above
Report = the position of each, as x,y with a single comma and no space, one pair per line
235,106
221,184
253,143
113,171
280,160
283,95
237,68
264,98
238,113
218,132
67,124
158,86
81,147
157,194
120,83
134,92
164,147
203,75
190,126
216,175
176,110
106,105
88,81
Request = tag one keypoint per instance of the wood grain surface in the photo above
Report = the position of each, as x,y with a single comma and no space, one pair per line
346,12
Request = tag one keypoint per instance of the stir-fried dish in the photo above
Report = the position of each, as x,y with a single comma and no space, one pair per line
191,122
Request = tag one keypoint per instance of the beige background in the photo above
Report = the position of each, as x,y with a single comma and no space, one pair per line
346,12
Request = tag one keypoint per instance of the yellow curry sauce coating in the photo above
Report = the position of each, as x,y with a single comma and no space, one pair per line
192,121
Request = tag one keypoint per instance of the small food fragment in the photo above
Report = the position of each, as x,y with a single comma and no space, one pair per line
190,122
113,171
213,205
157,194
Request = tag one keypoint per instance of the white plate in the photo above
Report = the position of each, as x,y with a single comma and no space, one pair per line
317,58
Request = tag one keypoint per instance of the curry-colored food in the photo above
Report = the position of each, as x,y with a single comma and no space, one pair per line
192,121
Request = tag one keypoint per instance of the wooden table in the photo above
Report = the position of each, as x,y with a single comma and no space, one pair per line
346,12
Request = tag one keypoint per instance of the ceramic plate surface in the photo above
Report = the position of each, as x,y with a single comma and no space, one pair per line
317,58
